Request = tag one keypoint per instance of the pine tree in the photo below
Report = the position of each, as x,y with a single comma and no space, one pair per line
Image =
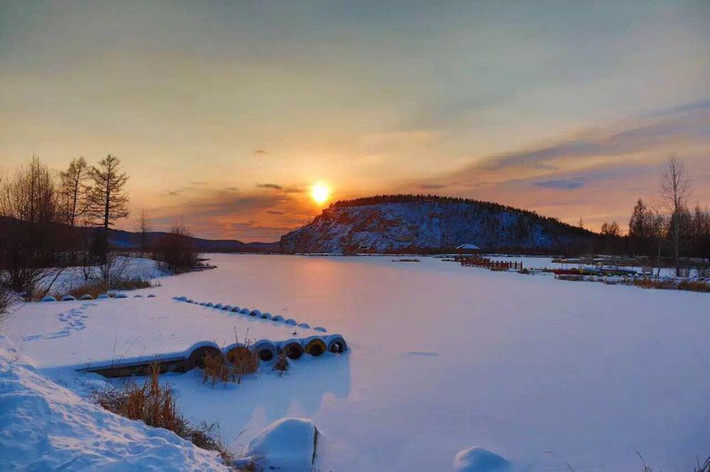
107,198
73,190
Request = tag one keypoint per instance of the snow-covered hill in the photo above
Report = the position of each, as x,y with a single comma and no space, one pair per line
412,223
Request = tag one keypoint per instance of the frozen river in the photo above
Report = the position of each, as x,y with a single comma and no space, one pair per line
442,358
445,357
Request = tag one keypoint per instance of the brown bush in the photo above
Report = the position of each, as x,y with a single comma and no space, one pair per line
240,361
156,406
281,365
97,287
694,286
690,285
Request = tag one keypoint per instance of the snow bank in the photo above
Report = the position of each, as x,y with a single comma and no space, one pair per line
44,426
477,459
287,445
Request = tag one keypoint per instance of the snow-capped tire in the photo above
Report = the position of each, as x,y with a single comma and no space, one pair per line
277,318
49,298
265,316
336,344
102,296
218,306
291,321
255,313
266,350
304,325
86,296
321,329
227,307
245,311
314,346
120,295
68,298
236,309
292,348
198,354
151,296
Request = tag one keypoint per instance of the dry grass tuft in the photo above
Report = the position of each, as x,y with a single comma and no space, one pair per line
661,284
155,405
281,365
705,467
238,362
97,287
216,370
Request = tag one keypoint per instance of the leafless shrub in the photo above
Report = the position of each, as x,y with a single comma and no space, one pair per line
97,287
155,404
175,251
238,362
7,297
705,467
281,365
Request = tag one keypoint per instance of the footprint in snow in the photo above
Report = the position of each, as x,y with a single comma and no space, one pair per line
32,337
77,325
59,334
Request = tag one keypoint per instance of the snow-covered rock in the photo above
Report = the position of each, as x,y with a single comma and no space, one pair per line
286,445
394,224
477,459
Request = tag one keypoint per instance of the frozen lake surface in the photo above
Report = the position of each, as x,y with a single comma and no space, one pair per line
445,357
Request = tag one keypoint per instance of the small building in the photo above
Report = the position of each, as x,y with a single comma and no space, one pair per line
468,248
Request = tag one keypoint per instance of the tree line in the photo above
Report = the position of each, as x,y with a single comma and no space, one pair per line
667,228
54,220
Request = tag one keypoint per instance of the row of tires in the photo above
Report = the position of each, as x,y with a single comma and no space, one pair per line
254,313
266,350
86,296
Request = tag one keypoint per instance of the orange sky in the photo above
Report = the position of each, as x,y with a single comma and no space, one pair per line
225,114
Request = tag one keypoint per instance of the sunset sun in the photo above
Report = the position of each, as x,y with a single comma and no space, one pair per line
320,193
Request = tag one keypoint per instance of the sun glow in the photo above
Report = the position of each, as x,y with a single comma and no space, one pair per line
320,193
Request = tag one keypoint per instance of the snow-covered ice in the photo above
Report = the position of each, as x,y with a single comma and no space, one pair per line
442,357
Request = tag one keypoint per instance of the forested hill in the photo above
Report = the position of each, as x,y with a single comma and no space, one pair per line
428,223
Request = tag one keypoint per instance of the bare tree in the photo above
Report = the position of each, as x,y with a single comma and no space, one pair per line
73,190
29,243
107,198
675,190
143,230
31,196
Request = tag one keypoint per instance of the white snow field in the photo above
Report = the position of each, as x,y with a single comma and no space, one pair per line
443,358
44,426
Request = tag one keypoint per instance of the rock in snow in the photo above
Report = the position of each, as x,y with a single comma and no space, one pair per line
286,445
477,459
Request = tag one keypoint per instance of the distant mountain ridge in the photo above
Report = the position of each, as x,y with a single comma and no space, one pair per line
429,223
121,239
128,239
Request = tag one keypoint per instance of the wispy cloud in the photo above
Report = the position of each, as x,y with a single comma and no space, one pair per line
271,186
432,186
561,184
689,123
